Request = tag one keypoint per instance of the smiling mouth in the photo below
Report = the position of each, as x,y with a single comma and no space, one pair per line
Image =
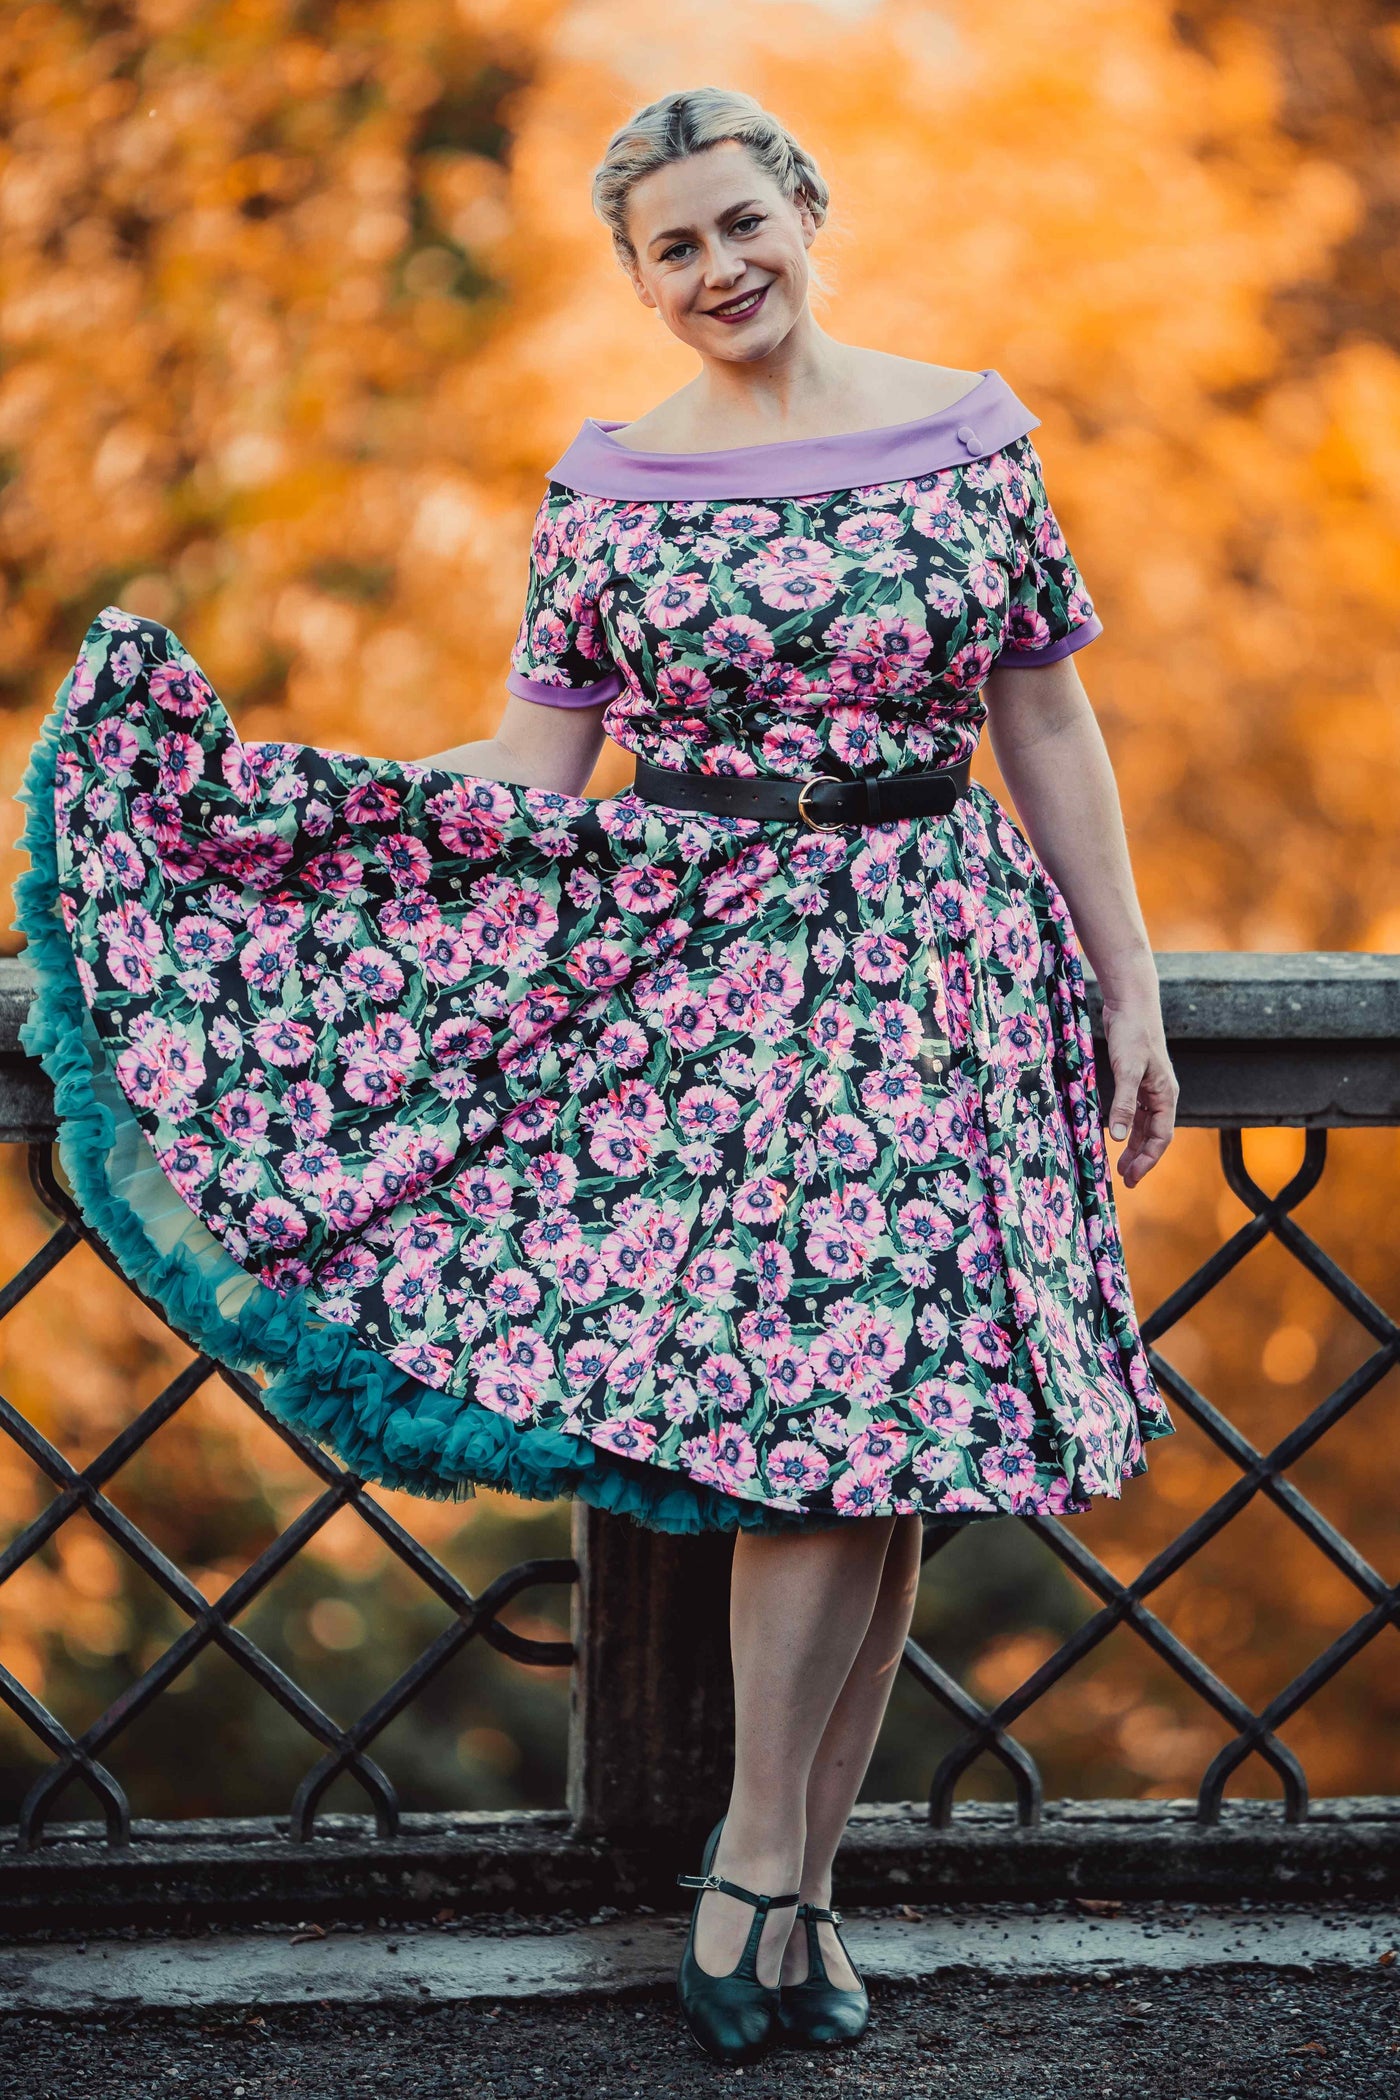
740,308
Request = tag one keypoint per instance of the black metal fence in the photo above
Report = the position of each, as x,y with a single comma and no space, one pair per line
345,1750
1261,1472
1310,1041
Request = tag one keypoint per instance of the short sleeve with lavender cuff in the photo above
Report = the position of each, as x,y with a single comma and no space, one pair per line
561,657
1050,613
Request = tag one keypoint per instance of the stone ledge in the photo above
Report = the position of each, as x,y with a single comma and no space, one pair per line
231,1971
1216,994
532,1864
1208,995
1310,1040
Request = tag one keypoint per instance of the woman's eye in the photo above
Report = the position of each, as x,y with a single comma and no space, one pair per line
750,218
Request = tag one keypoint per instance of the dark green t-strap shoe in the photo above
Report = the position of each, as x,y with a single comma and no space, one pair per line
817,2013
735,2017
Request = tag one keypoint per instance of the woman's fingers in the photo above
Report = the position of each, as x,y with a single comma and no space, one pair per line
1152,1125
1144,1086
1127,1084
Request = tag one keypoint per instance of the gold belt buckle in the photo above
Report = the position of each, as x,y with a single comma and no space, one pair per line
802,796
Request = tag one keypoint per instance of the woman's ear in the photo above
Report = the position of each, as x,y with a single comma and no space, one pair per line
635,277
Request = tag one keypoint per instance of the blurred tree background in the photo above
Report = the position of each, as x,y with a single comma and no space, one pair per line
299,301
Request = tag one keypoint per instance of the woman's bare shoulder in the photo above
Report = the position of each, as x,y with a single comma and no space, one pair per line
884,388
909,387
665,427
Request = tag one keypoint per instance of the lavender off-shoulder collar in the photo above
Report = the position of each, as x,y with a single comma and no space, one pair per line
988,416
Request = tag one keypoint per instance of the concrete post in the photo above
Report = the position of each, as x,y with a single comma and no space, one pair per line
652,1707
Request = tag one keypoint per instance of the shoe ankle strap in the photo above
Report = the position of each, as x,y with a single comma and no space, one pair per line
820,1916
734,1888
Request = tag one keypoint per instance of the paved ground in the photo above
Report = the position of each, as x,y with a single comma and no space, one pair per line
1250,2034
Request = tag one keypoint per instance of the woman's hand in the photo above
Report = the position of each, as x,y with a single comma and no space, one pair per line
1145,1087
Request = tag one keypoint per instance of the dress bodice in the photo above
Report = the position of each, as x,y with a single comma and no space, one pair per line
831,604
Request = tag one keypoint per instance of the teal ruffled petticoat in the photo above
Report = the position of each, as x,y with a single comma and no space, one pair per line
385,1425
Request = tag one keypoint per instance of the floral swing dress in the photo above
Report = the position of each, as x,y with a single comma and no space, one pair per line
716,1171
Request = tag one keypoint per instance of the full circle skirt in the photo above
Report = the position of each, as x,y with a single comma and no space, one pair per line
716,1172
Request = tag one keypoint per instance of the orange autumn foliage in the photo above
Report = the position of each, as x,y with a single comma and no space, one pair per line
298,304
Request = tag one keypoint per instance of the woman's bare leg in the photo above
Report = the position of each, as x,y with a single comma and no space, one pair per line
800,1610
848,1743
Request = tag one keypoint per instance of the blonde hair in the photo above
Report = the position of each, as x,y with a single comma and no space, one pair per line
686,122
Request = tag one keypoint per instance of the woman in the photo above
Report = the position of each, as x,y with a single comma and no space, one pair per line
725,1152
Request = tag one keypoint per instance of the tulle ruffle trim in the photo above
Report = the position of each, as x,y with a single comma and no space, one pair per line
381,1422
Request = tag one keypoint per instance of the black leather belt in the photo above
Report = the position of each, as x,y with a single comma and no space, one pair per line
823,801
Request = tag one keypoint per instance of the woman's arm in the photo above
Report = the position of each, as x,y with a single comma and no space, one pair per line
535,746
1050,749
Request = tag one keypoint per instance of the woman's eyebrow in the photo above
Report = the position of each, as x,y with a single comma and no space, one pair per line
675,233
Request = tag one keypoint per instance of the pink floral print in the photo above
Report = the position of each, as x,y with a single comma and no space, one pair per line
765,1157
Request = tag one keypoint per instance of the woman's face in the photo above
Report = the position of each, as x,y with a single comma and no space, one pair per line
713,232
